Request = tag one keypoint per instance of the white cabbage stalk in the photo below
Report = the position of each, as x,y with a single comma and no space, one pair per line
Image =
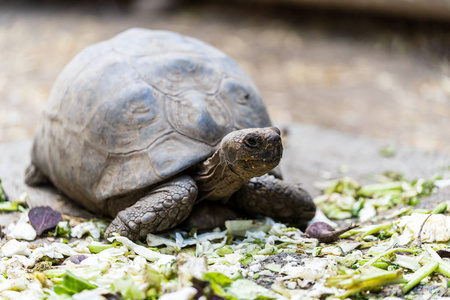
185,293
435,229
22,230
141,250
85,227
14,247
368,212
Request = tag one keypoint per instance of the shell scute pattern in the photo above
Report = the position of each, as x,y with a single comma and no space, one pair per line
125,122
140,108
125,172
244,102
85,93
65,81
173,73
199,116
174,152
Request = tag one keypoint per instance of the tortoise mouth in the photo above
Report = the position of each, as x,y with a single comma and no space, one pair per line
270,155
263,165
266,160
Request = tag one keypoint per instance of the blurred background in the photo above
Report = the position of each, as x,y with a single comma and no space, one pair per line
370,67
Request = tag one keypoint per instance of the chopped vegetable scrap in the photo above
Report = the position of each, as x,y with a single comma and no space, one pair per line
404,255
44,218
2,193
17,205
345,198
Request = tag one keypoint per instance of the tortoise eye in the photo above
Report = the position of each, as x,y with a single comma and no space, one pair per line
247,96
251,142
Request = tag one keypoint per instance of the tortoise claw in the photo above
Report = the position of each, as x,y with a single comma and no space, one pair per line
117,227
163,208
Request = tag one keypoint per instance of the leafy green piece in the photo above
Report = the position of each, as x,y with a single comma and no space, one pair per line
368,230
377,188
388,151
10,206
72,284
248,290
97,247
101,225
218,283
440,208
246,260
406,262
127,288
444,268
85,272
62,229
427,187
381,265
141,250
240,227
2,193
153,277
54,273
350,233
420,274
218,278
346,186
62,290
270,250
273,267
392,176
17,205
224,250
386,253
345,198
368,279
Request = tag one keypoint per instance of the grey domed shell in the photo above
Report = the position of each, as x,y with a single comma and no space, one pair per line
137,109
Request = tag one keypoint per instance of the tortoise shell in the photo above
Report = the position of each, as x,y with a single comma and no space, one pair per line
135,110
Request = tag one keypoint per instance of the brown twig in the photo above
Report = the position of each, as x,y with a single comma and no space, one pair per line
419,238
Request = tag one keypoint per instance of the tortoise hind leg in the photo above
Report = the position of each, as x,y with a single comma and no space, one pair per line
208,215
34,176
162,208
272,197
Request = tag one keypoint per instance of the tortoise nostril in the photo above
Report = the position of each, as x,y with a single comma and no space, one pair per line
276,130
275,139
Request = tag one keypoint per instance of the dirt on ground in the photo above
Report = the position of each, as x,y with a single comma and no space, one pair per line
377,76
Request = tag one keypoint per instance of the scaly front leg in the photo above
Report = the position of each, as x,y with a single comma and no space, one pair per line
272,197
163,208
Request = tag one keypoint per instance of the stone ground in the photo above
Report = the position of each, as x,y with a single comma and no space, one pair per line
345,84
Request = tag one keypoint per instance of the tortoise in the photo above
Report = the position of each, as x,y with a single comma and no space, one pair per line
145,126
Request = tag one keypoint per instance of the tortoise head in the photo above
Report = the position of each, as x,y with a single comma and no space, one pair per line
252,152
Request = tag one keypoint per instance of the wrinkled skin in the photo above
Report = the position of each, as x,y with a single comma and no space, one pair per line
235,175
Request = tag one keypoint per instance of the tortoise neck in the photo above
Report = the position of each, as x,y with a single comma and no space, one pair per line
216,180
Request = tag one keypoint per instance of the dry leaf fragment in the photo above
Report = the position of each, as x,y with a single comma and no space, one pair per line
44,218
